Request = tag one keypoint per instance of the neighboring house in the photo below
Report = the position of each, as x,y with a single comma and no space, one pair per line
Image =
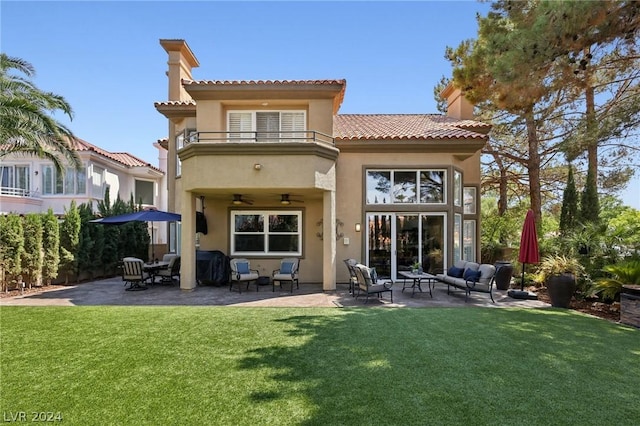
279,173
31,185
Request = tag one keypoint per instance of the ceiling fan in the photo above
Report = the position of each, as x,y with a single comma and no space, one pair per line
285,200
237,200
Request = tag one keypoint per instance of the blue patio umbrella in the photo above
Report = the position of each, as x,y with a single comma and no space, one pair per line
147,215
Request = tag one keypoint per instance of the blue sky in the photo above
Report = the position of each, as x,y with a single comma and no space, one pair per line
105,58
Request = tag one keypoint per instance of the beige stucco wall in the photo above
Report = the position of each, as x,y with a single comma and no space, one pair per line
218,213
350,202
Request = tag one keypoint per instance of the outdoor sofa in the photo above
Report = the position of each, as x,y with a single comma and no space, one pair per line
470,276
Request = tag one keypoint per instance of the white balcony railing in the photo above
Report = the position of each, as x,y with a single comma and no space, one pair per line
17,192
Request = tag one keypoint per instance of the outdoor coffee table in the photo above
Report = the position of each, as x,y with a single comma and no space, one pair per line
417,279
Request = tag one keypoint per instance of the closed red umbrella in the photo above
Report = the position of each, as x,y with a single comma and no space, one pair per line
529,252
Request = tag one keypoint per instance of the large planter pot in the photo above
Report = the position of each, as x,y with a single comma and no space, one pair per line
504,273
561,289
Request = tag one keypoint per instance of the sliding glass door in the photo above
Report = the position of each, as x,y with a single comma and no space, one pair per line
396,241
379,243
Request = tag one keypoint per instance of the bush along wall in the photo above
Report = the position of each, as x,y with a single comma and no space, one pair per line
42,249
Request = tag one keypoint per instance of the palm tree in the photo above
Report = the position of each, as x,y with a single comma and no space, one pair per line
626,272
26,124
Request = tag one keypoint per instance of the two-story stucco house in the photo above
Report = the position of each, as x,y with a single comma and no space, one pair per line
278,172
29,184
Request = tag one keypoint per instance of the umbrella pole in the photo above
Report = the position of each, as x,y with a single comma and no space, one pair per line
153,247
522,280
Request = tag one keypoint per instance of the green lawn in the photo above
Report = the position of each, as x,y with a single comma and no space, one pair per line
253,366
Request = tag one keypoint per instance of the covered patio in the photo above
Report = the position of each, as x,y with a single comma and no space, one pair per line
111,292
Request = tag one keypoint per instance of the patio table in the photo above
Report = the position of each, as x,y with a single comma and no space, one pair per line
416,281
153,267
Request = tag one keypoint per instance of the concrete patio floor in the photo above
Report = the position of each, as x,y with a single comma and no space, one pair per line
112,292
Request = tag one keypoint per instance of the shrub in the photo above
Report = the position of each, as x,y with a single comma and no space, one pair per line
625,272
32,255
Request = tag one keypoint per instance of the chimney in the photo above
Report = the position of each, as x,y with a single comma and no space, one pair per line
457,105
181,61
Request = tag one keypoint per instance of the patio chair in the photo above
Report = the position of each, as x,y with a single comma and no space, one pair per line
171,273
241,272
133,273
288,272
353,278
368,285
167,257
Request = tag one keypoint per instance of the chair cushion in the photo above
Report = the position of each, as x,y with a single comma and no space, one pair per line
374,275
243,267
471,275
472,265
486,273
286,267
455,272
461,264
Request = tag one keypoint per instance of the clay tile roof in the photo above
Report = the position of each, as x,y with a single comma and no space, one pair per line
121,157
175,103
406,126
260,82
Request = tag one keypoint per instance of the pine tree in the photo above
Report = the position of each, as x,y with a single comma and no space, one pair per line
569,213
589,204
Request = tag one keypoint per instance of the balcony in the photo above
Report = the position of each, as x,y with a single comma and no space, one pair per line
18,192
227,160
19,200
311,136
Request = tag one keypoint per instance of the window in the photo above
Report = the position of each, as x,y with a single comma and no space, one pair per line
175,229
72,182
266,126
405,186
179,145
469,240
97,182
457,237
266,233
14,180
183,138
144,192
457,188
469,200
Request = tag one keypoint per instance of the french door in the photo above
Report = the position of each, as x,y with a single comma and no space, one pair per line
396,241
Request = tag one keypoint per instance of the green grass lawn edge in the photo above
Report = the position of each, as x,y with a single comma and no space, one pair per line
225,365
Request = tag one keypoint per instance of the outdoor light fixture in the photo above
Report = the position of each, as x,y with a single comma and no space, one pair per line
357,227
237,199
257,166
284,200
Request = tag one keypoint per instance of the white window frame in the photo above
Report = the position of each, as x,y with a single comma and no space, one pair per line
470,199
248,126
97,182
469,240
266,233
457,237
72,178
183,138
179,146
457,188
153,191
19,182
392,172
